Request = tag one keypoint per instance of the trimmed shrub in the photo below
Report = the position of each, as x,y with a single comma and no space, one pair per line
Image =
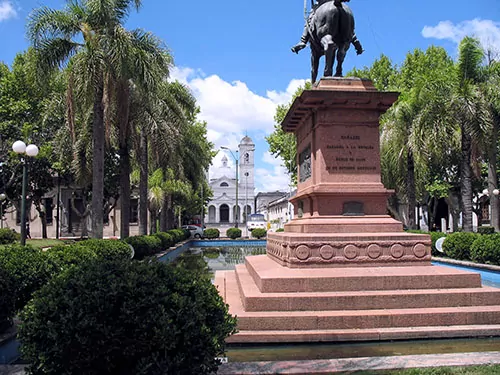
233,233
178,235
29,268
119,317
485,230
64,257
486,249
107,248
457,245
259,232
144,246
8,236
166,239
211,233
280,230
7,299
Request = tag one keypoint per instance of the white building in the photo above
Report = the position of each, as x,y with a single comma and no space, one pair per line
223,208
280,211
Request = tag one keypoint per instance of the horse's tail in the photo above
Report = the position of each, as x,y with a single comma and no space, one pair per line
345,24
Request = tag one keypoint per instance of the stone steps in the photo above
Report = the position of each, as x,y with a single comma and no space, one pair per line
270,277
374,334
354,319
254,300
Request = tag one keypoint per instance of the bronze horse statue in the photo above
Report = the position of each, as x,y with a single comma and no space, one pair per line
329,31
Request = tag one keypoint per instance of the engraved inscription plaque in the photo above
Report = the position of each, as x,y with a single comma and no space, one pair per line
353,209
305,164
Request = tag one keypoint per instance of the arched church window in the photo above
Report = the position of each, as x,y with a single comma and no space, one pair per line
247,158
224,184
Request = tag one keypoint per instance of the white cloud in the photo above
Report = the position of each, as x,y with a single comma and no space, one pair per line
231,110
285,97
7,10
487,31
231,107
274,178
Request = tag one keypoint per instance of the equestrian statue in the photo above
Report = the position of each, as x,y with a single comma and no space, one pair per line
329,30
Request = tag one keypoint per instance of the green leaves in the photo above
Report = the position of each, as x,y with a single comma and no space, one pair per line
122,317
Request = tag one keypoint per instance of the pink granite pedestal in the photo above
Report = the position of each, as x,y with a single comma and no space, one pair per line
344,270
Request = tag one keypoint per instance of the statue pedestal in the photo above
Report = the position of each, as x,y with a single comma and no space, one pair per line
344,270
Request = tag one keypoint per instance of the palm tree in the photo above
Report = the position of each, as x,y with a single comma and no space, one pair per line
162,116
406,128
82,33
141,63
490,89
471,112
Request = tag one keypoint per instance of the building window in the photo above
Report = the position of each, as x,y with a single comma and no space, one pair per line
49,210
224,184
134,211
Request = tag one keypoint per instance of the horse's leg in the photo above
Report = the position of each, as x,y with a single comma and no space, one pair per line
329,47
315,56
342,51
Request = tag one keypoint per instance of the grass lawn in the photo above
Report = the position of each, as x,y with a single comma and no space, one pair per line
473,370
46,242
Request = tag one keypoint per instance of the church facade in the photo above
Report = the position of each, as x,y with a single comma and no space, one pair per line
233,201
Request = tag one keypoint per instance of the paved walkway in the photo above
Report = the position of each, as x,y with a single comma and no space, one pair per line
349,365
339,366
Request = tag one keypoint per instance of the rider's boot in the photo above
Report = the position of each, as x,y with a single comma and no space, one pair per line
303,41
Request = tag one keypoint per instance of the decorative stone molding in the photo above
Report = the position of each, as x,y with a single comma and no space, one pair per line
348,252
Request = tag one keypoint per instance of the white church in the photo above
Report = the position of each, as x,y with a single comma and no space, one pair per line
232,203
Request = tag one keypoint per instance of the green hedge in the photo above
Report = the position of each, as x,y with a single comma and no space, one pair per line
233,233
179,234
211,233
64,257
279,230
485,230
107,248
167,240
28,267
259,232
8,236
144,246
457,245
120,317
7,299
486,249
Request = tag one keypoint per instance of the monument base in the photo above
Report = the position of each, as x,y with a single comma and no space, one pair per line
343,270
362,249
281,304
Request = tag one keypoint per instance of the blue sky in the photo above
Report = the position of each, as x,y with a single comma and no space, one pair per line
235,55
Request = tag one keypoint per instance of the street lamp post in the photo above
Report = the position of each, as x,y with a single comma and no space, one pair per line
20,148
2,198
237,183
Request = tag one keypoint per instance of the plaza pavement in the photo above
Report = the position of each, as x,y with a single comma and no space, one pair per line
339,366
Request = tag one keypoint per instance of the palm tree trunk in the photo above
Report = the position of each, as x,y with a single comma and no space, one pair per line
493,178
164,214
98,163
124,152
152,221
412,200
143,182
466,182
